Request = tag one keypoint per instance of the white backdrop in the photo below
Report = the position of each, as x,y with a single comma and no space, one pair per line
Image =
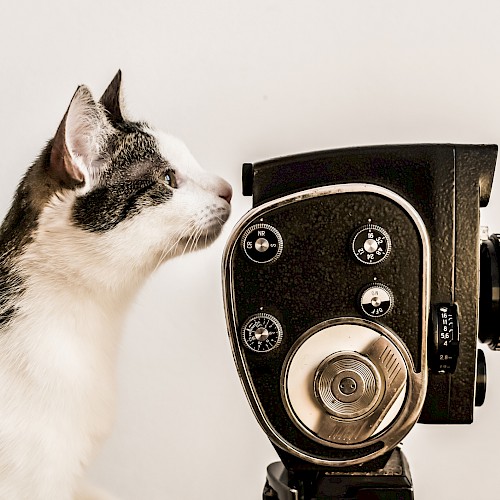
246,81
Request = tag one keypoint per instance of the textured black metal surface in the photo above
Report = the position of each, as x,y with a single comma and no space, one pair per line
413,171
450,398
470,167
447,184
317,278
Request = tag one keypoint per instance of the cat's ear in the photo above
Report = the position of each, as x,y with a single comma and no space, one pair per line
112,100
76,144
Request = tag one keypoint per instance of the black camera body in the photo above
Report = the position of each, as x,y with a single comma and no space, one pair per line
352,296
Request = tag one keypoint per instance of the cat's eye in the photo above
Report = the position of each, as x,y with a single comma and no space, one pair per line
169,178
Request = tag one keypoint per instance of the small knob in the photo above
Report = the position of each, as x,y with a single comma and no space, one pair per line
376,300
261,332
262,243
371,244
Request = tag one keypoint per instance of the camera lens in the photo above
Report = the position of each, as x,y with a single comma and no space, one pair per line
489,291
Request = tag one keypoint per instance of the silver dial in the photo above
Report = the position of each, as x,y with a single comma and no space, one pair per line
262,243
377,300
261,333
371,244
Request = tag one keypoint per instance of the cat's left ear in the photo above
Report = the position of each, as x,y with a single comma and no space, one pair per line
112,100
77,143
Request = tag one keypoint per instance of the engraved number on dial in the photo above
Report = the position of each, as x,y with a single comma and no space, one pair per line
371,244
262,332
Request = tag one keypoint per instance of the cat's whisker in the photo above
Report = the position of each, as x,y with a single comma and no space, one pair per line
188,243
219,219
172,248
186,229
193,240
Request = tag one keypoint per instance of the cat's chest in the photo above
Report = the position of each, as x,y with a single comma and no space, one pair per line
58,380
73,350
57,385
62,344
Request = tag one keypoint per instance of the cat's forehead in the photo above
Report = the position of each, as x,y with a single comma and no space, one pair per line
175,152
132,142
133,150
136,150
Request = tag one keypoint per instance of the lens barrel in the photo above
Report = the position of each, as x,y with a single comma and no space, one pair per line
489,293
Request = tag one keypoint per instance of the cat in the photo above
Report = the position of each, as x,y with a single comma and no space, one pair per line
106,202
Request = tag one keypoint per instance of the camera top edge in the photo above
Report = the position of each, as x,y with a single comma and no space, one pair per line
386,165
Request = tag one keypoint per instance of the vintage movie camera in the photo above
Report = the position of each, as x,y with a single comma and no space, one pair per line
356,289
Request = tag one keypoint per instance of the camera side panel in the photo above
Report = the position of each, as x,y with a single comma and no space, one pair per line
318,277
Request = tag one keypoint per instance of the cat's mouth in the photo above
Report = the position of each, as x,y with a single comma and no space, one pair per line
205,232
202,237
198,233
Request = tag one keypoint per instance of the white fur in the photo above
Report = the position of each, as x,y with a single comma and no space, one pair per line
57,368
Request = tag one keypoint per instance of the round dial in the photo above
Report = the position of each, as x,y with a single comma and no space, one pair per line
262,243
371,244
262,332
376,300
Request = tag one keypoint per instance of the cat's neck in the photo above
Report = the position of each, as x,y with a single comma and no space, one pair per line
62,281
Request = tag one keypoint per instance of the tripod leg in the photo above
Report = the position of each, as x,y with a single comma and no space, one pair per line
269,493
277,487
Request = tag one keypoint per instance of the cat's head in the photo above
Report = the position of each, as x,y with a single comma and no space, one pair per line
120,189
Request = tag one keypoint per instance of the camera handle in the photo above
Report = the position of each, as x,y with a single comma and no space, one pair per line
392,482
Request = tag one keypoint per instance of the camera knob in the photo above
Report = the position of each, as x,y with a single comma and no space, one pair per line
261,332
371,244
262,243
376,300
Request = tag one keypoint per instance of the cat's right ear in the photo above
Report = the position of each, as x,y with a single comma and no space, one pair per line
75,146
112,100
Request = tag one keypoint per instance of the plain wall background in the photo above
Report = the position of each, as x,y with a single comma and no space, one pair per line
245,81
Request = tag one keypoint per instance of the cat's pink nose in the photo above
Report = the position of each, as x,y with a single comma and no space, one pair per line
225,191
